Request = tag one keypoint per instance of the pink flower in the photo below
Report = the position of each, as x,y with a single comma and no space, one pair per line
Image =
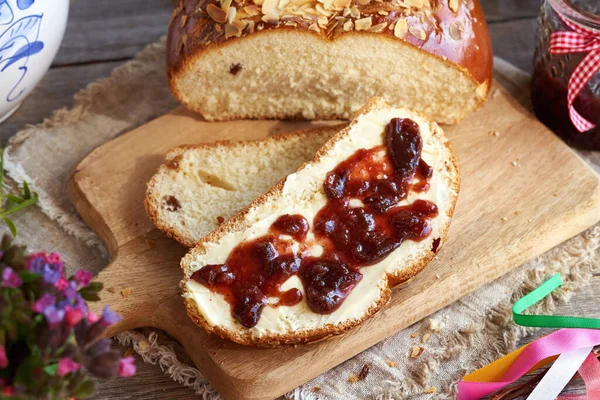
92,317
83,277
3,359
126,366
61,284
72,315
10,279
66,365
8,391
54,258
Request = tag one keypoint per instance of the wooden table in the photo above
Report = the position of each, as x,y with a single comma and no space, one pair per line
105,33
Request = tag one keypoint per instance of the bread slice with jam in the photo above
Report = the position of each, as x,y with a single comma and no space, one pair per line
320,251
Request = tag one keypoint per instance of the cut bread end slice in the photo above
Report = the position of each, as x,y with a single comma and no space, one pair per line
302,193
200,186
295,74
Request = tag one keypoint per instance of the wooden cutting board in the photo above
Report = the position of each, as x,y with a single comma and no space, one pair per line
523,192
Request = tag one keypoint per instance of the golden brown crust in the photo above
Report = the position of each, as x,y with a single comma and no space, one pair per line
153,208
458,35
237,223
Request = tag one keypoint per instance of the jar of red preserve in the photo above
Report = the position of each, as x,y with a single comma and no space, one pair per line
567,67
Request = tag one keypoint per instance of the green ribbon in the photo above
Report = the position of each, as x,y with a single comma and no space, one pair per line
548,321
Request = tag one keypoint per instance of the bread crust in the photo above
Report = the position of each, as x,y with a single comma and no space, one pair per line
153,208
237,223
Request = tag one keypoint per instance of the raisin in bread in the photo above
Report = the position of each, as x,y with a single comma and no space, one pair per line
324,59
318,253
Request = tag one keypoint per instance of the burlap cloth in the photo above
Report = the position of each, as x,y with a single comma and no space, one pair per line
459,338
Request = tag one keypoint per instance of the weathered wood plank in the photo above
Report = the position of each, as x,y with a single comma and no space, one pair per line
106,30
55,91
149,383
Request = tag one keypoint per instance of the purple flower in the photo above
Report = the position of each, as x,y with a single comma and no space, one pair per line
70,291
109,317
126,366
51,273
53,315
43,303
3,359
66,365
10,279
83,277
35,262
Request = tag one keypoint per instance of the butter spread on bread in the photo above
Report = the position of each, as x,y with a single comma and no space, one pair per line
257,281
324,59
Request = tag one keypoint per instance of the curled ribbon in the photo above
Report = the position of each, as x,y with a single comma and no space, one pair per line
579,40
542,351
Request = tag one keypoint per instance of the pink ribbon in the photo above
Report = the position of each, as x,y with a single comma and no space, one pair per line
580,40
561,341
590,373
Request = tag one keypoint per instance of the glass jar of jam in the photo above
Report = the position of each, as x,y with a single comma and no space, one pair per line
551,73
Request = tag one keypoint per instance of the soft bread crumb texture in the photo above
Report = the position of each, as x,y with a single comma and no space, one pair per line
302,193
298,74
214,181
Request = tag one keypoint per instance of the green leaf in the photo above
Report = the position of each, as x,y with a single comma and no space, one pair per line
28,276
90,296
86,389
26,191
51,369
25,374
14,199
11,226
94,286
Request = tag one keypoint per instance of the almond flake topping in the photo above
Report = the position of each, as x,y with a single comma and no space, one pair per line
453,4
217,14
418,33
400,29
456,31
363,23
414,3
378,27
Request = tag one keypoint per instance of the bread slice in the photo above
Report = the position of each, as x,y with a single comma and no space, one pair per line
314,59
199,186
302,193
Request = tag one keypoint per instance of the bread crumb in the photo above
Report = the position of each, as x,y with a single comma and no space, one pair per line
496,93
414,335
425,338
390,363
126,292
517,212
416,351
438,276
220,220
495,133
110,290
555,195
504,219
144,345
315,389
150,243
128,352
430,390
353,378
435,325
515,163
